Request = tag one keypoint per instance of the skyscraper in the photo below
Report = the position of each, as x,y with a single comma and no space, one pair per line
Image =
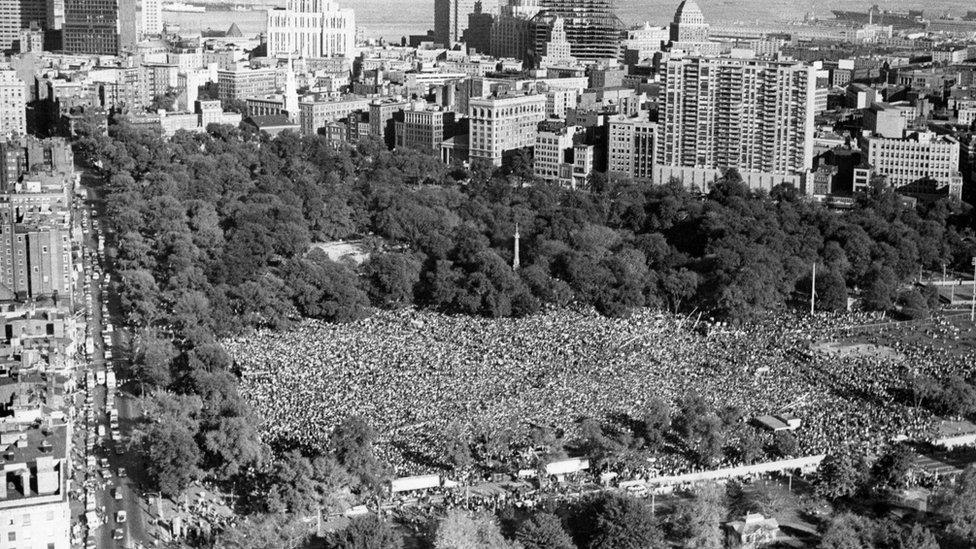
451,19
312,28
102,27
20,14
749,114
152,17
513,33
689,24
478,34
558,50
592,27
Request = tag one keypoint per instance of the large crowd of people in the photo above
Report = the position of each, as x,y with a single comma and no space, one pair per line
414,375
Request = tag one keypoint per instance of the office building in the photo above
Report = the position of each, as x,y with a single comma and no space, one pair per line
311,28
631,149
242,82
30,40
381,123
642,43
451,19
688,26
423,129
152,17
890,120
592,28
558,50
553,150
513,32
314,115
99,27
749,114
477,36
919,156
13,104
501,125
860,96
16,15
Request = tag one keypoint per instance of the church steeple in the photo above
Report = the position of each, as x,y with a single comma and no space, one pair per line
291,93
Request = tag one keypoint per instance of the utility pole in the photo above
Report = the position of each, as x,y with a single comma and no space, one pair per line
813,288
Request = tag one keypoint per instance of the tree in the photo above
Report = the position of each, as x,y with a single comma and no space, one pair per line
749,448
891,471
457,447
231,445
139,296
171,455
784,443
325,289
879,288
952,397
891,535
392,278
152,359
697,521
848,531
699,428
365,532
352,445
614,521
913,304
543,531
655,423
761,496
958,504
463,530
840,475
301,485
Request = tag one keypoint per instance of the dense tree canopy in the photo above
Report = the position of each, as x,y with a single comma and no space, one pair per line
214,234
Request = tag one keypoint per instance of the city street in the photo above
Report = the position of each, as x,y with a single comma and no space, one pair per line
119,500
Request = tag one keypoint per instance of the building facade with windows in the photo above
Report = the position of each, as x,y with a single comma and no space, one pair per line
750,114
13,104
631,149
919,156
503,124
99,27
311,28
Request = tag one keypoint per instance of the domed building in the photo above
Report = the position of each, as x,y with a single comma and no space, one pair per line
689,24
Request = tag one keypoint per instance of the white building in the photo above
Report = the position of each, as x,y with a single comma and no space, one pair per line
552,146
502,124
558,102
750,114
34,508
312,28
647,39
558,49
13,103
919,156
152,17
